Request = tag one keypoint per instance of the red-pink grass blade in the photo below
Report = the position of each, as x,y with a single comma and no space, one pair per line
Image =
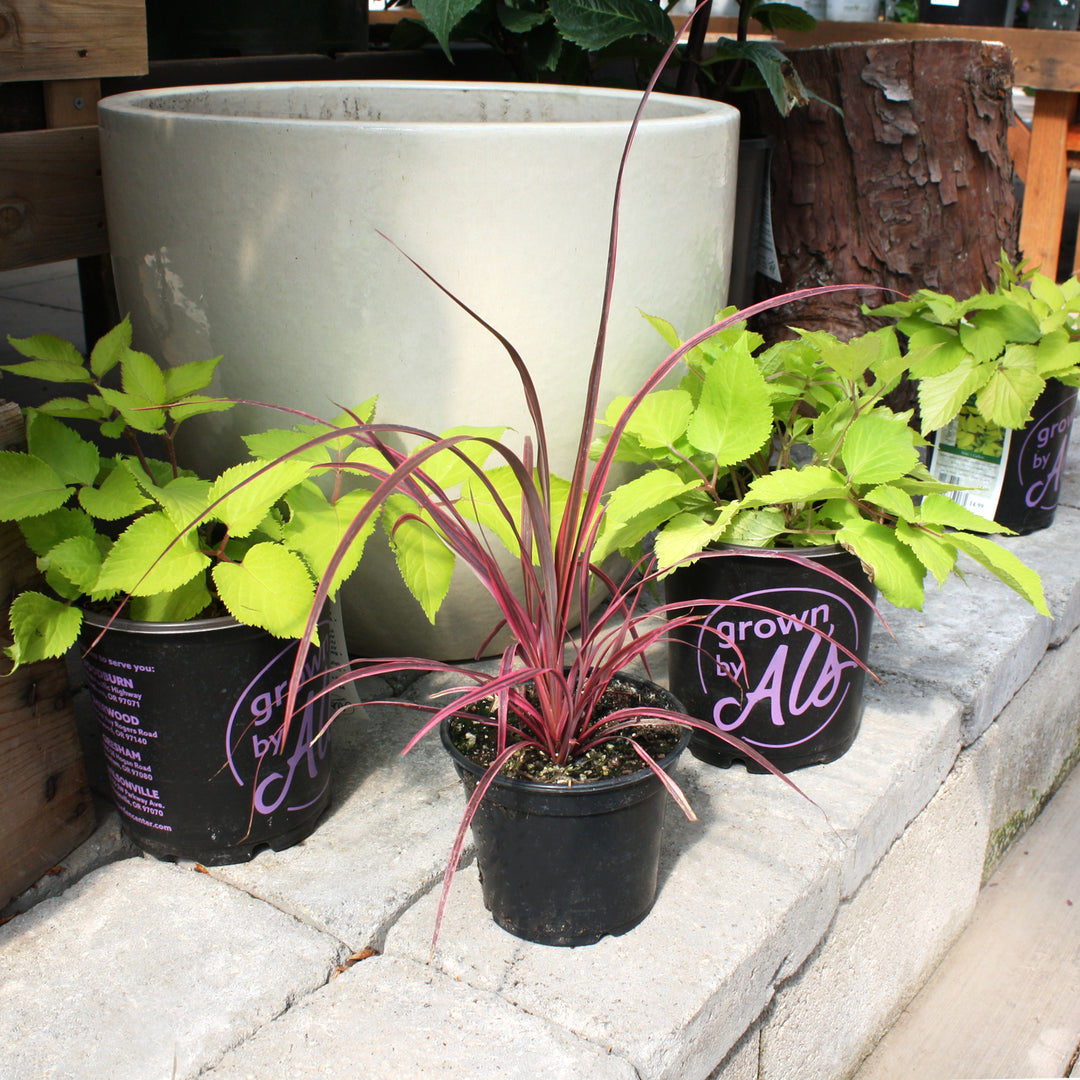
673,789
477,796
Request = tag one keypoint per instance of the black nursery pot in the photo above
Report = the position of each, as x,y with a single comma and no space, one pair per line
790,694
567,865
1036,462
190,716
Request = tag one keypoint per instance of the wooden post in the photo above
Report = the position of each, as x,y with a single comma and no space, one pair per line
910,188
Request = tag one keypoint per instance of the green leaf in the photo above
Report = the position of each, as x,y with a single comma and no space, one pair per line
133,411
894,500
28,486
1011,321
442,16
756,528
425,562
447,469
878,448
985,343
198,406
642,492
520,20
933,551
1008,396
941,397
182,499
187,379
50,358
734,416
316,527
595,24
271,588
74,459
1004,565
78,559
43,533
69,408
784,17
150,556
42,627
661,419
187,602
685,535
810,484
942,511
245,507
142,378
116,497
109,349
893,566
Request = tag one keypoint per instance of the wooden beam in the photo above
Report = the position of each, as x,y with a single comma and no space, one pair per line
1040,224
52,206
71,39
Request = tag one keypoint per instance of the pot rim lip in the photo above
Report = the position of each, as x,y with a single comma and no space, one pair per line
693,112
821,552
582,788
190,626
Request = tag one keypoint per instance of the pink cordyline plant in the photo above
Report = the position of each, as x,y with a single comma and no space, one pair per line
562,655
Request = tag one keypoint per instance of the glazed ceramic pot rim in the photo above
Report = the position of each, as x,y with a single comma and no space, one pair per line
190,104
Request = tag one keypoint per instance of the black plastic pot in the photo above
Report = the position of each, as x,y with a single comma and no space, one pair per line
567,865
1016,480
1036,462
190,716
789,693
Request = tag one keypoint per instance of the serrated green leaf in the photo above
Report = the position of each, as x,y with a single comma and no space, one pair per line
187,602
878,449
893,566
245,507
1004,565
520,20
1008,396
596,24
810,484
74,459
425,562
755,528
182,499
446,467
946,513
442,16
69,408
198,406
133,413
316,527
43,533
642,492
933,551
941,397
116,497
1011,321
42,628
893,500
734,414
142,378
28,486
182,381
109,349
687,534
50,358
661,418
271,588
150,556
78,559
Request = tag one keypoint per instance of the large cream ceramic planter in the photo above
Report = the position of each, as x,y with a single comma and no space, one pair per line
244,220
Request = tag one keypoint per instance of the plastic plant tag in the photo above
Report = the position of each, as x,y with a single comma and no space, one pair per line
972,453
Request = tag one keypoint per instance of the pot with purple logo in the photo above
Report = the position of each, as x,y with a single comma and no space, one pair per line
190,716
1012,477
774,662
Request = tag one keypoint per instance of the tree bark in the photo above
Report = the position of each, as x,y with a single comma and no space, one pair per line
912,187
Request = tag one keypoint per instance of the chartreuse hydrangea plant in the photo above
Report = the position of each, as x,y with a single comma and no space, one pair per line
794,446
992,353
113,527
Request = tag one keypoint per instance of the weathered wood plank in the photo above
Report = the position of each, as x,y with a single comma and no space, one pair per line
52,206
1006,1000
45,804
71,39
1040,225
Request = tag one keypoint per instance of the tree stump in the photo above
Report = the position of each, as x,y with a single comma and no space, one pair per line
912,187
